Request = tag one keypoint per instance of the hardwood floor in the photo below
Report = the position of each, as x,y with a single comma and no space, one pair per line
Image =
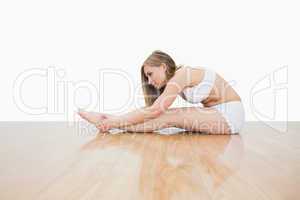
53,160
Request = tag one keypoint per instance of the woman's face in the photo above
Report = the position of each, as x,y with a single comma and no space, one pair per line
156,75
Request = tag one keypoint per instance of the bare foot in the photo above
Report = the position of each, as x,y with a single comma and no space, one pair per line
92,117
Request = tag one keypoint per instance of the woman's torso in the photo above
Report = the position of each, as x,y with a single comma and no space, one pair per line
218,90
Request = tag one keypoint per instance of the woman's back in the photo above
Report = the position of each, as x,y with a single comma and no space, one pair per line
208,87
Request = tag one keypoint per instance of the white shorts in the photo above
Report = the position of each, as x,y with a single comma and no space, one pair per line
234,114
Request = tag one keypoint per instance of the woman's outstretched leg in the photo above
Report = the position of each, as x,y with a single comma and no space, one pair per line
196,119
207,120
149,126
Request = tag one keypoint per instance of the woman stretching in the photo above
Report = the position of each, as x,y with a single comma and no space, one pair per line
222,111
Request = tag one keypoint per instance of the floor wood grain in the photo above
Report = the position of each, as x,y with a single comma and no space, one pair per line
56,160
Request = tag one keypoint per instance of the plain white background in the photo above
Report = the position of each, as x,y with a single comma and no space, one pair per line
253,44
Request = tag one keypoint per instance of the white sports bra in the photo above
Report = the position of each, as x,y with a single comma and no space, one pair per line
201,91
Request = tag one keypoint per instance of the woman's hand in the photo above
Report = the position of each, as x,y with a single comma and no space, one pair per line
103,125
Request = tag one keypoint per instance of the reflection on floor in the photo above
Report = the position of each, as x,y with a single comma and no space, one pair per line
55,160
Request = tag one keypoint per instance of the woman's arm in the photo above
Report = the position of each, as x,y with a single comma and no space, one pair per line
131,118
141,127
174,86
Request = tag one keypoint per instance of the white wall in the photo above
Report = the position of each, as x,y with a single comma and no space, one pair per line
245,41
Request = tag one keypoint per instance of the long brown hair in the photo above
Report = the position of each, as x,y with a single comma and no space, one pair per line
156,59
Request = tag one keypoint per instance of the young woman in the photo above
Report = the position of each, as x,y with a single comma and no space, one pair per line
222,111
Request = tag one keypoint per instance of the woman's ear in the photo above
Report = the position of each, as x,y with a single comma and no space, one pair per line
164,66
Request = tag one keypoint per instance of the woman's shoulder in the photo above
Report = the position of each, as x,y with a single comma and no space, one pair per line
191,75
191,68
197,71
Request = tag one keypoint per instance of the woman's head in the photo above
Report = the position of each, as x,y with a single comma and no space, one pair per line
156,70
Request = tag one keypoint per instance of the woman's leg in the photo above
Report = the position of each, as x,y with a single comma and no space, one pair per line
149,126
207,120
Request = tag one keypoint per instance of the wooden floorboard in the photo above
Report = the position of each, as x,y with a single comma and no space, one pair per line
57,160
